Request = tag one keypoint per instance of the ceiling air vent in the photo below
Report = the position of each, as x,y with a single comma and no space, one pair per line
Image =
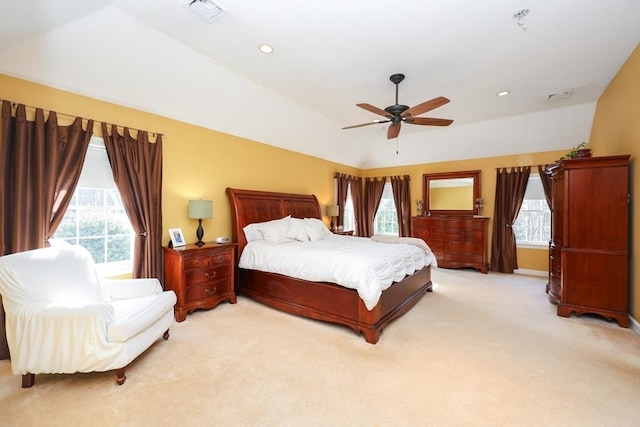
205,9
559,95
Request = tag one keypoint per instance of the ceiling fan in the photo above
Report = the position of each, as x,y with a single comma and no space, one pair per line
396,114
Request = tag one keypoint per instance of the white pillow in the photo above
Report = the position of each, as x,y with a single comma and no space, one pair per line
316,230
253,231
275,231
297,230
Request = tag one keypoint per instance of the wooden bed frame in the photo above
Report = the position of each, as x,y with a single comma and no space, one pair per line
317,300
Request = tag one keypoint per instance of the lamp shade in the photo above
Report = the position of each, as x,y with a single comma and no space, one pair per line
332,210
199,209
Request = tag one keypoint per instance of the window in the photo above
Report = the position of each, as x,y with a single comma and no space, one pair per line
96,219
386,219
533,225
349,220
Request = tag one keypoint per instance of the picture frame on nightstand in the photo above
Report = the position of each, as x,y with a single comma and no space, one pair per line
177,238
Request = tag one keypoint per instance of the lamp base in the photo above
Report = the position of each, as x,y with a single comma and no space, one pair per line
199,233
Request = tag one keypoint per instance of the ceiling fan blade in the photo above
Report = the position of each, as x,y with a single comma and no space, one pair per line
425,106
366,124
374,110
428,121
394,130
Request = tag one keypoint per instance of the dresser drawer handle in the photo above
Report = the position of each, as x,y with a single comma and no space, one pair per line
210,292
210,276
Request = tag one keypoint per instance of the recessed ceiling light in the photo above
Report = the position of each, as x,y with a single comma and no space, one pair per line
265,48
503,93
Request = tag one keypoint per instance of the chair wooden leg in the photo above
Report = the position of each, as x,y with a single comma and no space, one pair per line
28,380
120,376
166,335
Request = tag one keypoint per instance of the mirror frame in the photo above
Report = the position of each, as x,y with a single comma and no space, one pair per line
426,181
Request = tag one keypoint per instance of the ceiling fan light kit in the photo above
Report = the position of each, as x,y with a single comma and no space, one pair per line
397,113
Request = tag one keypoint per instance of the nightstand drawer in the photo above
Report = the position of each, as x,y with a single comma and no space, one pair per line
202,275
206,261
210,289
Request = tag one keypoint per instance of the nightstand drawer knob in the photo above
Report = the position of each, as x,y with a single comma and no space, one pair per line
211,292
210,276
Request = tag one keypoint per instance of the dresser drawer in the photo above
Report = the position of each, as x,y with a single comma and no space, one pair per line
203,275
464,248
466,223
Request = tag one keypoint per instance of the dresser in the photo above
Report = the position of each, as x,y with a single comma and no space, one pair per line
456,241
201,276
589,247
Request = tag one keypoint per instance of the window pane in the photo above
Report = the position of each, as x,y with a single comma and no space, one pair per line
386,219
95,246
118,248
92,222
534,219
118,223
349,222
89,197
67,227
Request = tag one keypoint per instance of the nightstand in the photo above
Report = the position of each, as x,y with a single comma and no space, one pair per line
201,276
343,233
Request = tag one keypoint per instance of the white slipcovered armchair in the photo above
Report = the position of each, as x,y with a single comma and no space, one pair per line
61,318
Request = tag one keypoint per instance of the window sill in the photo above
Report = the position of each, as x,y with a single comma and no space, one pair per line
531,245
114,269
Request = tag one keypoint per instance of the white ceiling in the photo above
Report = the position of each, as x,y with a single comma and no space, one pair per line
160,57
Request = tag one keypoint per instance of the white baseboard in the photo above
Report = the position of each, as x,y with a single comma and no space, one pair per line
635,326
528,272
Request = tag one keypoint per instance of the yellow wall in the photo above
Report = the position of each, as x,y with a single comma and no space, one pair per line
616,130
198,163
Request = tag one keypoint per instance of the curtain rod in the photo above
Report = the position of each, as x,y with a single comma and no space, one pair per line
72,116
511,167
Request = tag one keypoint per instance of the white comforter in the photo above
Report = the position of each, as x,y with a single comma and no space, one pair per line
358,263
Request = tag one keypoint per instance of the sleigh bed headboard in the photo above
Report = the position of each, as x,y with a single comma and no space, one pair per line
249,206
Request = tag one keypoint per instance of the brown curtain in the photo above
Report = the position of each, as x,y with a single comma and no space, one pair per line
402,201
546,183
136,164
373,188
40,164
510,188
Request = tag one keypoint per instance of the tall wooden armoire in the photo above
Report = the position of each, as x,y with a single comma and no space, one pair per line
589,248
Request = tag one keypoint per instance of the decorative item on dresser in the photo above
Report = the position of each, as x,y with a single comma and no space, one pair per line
456,241
589,248
453,227
201,276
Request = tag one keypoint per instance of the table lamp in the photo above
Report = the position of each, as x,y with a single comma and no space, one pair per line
332,211
199,209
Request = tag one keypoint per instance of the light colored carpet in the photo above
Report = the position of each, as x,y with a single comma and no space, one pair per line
481,350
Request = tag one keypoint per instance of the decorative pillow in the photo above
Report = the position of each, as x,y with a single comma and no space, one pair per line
316,230
254,231
297,230
275,231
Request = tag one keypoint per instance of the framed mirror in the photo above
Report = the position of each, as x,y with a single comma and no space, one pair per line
451,193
